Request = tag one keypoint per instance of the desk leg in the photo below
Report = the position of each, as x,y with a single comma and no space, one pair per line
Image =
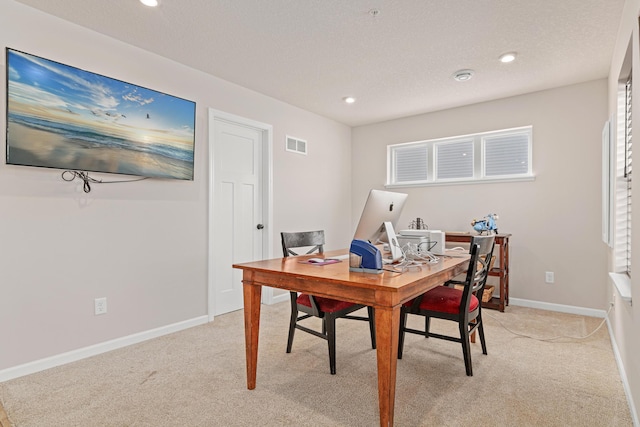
387,331
252,295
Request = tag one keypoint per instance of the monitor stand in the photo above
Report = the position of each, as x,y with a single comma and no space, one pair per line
394,246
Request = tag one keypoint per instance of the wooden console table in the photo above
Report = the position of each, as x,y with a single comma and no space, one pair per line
502,271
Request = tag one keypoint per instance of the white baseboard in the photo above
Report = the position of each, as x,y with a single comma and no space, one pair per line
280,298
93,350
570,309
269,297
623,376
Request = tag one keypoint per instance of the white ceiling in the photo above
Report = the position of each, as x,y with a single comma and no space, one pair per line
313,53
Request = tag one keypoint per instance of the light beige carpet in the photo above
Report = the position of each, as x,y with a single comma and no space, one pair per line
197,378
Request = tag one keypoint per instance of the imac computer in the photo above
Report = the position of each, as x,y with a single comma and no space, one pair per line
379,218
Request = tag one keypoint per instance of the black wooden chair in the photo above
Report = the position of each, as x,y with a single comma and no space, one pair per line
326,309
459,305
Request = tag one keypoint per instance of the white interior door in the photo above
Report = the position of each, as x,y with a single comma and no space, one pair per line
238,214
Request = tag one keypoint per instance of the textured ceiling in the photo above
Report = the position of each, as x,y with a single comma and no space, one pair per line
313,53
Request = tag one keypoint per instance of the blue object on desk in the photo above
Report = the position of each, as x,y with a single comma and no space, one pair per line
364,257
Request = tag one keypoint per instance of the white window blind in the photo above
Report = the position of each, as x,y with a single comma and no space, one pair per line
506,155
624,173
628,169
454,160
411,163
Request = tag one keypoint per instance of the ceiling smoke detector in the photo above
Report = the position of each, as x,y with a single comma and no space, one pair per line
462,75
150,3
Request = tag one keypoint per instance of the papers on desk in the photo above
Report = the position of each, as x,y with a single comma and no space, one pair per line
320,261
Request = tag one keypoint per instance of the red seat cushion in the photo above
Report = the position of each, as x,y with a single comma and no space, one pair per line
445,300
327,305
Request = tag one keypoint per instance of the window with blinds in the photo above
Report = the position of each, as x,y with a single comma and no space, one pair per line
628,167
624,174
621,181
487,156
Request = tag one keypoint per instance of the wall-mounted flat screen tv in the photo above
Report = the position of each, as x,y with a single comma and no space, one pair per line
63,117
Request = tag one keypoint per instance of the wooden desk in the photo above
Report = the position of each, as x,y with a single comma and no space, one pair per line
384,292
502,271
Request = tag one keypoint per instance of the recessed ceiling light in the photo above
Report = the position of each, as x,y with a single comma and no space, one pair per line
508,57
462,75
349,99
150,3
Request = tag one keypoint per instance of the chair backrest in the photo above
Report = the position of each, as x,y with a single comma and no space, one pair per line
302,239
481,250
485,246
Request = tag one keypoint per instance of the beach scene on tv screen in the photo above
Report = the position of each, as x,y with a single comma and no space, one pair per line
63,117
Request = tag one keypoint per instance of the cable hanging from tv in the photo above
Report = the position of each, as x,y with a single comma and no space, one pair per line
70,175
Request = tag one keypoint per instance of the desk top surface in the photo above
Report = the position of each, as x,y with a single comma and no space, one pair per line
339,272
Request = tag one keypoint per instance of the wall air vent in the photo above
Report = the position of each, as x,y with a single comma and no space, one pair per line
296,145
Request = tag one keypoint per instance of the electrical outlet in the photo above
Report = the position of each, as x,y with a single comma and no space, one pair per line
549,277
100,305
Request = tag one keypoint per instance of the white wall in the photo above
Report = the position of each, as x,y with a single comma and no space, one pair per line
555,220
142,245
625,318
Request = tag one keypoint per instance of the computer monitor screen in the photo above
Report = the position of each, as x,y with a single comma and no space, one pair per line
381,207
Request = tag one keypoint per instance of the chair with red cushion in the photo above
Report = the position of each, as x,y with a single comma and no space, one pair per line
326,309
459,305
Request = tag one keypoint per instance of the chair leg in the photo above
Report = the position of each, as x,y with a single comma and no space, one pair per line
330,322
403,325
427,325
481,334
292,326
466,346
372,326
472,337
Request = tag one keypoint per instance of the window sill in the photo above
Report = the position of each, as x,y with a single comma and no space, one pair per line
457,182
622,283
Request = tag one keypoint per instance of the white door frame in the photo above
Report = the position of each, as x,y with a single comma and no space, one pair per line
267,197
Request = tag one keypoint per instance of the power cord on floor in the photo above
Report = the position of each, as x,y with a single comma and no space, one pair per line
556,337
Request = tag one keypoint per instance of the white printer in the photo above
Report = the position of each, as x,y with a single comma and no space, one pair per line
424,240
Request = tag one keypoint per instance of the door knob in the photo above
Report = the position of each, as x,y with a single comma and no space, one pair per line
260,226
